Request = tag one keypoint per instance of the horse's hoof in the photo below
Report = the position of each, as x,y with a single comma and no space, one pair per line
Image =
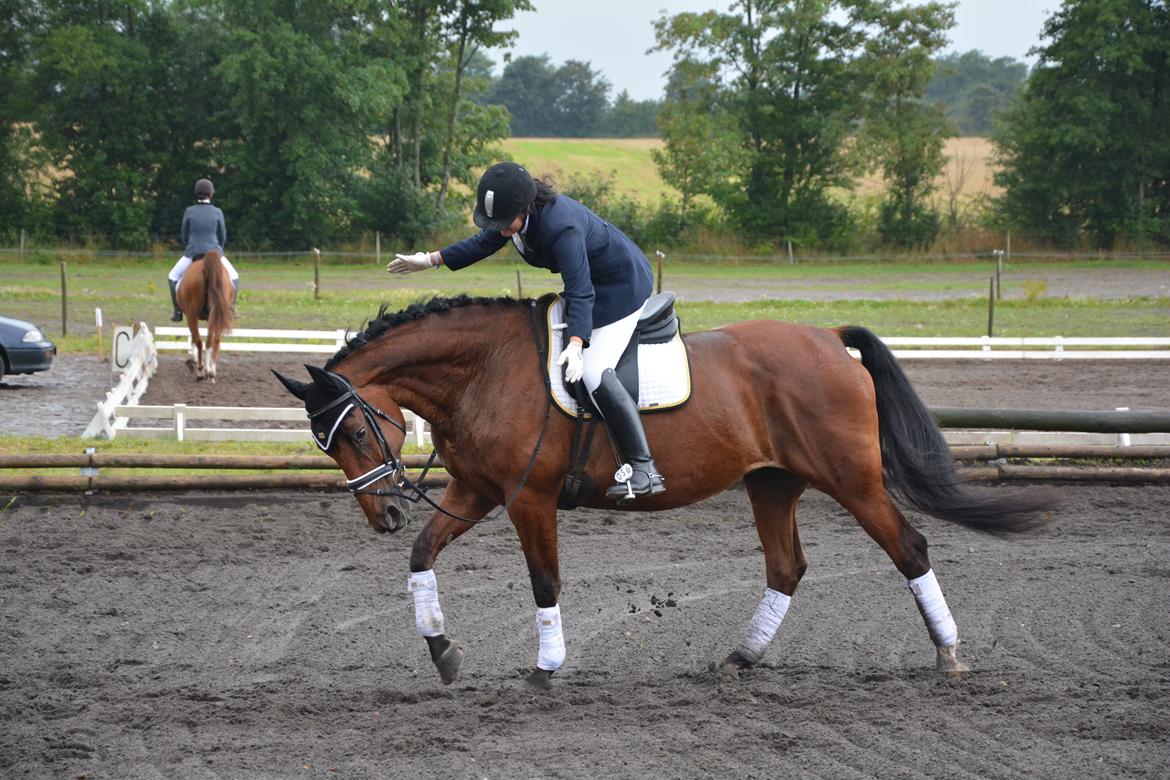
449,662
731,666
539,679
947,663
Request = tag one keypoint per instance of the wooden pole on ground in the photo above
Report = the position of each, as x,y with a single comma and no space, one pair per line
64,302
316,273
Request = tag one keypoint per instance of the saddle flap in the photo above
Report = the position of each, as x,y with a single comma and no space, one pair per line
664,374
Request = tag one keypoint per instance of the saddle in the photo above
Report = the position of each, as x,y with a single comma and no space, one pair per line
654,369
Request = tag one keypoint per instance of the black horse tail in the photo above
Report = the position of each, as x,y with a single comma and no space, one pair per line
917,463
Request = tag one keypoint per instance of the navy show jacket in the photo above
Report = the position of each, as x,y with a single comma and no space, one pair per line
606,275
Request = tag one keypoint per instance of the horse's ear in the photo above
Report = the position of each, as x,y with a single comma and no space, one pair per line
299,389
319,375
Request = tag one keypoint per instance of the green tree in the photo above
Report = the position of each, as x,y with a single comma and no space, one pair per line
785,76
529,89
304,99
582,100
700,140
903,133
18,23
1086,150
471,26
975,88
629,118
99,117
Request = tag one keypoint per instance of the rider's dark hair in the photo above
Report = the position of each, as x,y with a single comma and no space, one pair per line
546,191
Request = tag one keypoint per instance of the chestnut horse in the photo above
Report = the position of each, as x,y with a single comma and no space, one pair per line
804,412
206,292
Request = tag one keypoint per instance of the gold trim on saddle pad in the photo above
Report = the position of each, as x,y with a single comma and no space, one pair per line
672,354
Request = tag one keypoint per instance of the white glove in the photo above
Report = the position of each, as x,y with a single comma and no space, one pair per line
572,361
406,264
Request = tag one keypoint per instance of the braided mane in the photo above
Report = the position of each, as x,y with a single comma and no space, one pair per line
384,321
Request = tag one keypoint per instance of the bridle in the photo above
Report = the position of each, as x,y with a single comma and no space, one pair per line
391,468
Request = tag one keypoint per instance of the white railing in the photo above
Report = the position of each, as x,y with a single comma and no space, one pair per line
180,414
140,367
252,339
917,347
1031,348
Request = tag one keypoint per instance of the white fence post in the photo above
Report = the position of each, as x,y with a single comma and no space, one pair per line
180,421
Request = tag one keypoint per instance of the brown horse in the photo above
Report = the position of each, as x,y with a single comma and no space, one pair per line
206,292
804,412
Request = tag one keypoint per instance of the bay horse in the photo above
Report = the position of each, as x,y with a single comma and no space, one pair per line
804,414
206,292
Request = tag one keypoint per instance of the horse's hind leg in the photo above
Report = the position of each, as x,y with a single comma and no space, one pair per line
195,356
446,654
211,354
866,499
773,494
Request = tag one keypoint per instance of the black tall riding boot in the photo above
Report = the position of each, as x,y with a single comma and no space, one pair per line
177,314
621,416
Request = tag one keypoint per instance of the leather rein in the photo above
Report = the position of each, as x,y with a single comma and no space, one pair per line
392,469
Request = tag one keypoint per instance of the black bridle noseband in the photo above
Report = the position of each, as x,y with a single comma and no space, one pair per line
391,467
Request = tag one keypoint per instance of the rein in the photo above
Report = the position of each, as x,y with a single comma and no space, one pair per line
392,468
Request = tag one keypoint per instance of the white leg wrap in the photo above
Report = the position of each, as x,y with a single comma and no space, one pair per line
428,617
769,615
552,641
936,614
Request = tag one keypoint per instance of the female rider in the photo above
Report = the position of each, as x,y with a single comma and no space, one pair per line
203,229
607,282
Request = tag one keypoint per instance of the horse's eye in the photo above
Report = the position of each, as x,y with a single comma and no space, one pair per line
359,435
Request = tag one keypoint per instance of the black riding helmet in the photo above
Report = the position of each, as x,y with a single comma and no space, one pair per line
204,188
505,191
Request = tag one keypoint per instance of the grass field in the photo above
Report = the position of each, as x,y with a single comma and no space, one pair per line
280,295
636,175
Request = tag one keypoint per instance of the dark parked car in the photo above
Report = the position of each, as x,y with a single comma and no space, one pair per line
23,348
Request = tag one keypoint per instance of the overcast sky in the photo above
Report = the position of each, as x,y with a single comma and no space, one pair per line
614,34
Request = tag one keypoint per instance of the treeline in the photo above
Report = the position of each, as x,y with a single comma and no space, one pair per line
567,101
774,108
975,89
316,119
324,120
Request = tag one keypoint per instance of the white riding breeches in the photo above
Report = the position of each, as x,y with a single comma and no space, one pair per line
606,345
184,263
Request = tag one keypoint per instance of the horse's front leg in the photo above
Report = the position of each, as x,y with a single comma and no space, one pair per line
535,520
460,500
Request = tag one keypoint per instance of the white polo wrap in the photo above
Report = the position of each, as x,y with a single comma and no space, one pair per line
428,617
769,615
932,605
552,641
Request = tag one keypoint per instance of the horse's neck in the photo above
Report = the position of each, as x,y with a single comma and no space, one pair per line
435,366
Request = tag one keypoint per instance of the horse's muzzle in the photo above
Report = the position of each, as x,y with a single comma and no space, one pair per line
395,516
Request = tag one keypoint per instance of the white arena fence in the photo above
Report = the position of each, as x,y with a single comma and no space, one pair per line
121,403
257,340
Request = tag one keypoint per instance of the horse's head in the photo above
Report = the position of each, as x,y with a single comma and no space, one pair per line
364,435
